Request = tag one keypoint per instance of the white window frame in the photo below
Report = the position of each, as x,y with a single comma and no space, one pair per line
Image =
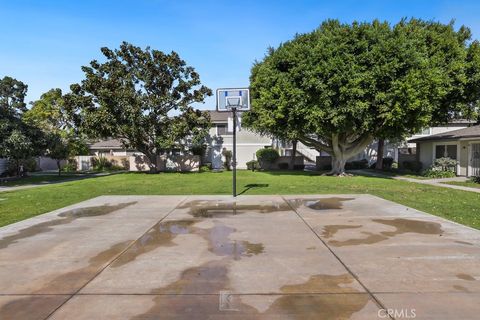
451,143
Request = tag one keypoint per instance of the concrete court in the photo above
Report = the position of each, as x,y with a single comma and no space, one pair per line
261,257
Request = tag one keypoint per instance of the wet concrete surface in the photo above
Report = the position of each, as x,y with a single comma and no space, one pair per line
258,257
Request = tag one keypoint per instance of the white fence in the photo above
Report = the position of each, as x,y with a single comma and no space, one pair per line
3,165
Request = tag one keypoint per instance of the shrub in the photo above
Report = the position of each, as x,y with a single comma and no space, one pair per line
445,164
125,163
205,168
298,167
228,159
70,166
199,150
432,173
358,164
29,165
415,166
253,165
283,166
266,157
101,164
394,165
475,179
327,167
441,168
387,162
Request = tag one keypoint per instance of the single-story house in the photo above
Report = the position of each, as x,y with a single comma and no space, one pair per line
462,145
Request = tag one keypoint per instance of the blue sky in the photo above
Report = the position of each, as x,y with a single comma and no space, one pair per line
44,43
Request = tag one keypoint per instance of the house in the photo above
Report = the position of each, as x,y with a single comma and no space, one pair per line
109,147
406,151
221,136
462,145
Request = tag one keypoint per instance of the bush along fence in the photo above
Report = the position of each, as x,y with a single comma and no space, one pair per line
178,163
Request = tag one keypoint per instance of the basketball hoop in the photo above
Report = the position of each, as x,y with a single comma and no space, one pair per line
233,100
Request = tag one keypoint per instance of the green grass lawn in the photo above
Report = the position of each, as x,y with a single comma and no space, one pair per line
38,179
456,205
469,184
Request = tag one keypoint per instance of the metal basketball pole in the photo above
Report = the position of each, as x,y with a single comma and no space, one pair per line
234,155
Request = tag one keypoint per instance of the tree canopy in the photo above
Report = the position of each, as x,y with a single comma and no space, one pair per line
143,97
18,140
342,85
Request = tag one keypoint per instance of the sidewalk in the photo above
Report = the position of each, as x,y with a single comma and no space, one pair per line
432,182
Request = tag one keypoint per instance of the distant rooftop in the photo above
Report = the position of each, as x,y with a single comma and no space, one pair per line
107,144
470,132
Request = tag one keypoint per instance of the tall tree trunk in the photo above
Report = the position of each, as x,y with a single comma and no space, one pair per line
338,166
58,166
341,147
293,155
152,157
380,147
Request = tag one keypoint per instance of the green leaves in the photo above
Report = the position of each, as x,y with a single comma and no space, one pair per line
142,96
365,79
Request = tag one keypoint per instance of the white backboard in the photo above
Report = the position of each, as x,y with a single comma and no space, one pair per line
228,98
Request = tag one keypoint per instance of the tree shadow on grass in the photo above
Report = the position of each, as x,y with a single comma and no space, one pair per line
354,173
253,186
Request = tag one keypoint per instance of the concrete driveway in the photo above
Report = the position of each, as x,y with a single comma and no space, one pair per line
261,257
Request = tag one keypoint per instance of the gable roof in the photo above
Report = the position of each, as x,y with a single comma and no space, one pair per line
470,132
107,144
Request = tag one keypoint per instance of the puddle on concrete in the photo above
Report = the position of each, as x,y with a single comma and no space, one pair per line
221,245
324,282
63,283
410,226
465,276
465,243
162,234
295,303
33,307
218,209
370,239
401,226
67,217
330,230
333,203
461,288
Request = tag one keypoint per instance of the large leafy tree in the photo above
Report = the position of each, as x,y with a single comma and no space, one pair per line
141,96
61,136
12,105
342,85
18,140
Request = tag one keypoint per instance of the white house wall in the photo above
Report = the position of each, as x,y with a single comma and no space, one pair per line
247,145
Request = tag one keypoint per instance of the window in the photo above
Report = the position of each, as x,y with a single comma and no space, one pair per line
446,151
222,130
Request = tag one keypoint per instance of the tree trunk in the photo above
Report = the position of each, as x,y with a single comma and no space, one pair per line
294,153
341,147
381,145
152,157
58,166
338,166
